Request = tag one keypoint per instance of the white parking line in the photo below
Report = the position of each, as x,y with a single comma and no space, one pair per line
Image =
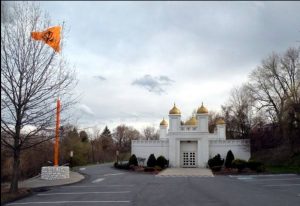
64,202
98,180
282,185
81,193
269,175
100,186
273,179
82,168
110,174
245,178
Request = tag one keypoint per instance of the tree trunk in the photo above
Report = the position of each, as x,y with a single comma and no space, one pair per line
15,173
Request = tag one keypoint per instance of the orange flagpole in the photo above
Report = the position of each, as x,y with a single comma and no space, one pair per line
51,36
56,144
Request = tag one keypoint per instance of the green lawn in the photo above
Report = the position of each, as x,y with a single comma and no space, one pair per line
283,169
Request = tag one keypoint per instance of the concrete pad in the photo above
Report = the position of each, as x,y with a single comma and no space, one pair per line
186,172
36,182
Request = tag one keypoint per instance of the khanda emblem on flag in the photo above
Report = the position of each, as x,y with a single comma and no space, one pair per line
50,36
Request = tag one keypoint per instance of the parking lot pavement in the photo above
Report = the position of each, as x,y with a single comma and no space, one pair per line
106,186
283,183
185,172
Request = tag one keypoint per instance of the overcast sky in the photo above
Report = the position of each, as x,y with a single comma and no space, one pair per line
135,59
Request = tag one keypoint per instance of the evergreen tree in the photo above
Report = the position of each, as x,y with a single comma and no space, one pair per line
133,160
151,161
162,161
106,139
83,136
229,159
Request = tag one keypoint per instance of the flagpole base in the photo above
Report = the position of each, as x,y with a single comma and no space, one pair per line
55,172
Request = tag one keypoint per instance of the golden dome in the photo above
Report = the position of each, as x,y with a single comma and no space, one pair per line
174,110
164,122
191,121
202,110
220,121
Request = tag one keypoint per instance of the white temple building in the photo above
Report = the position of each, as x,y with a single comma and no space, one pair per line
190,144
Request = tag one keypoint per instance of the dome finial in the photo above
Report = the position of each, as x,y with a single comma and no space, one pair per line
220,121
174,110
164,122
202,110
191,121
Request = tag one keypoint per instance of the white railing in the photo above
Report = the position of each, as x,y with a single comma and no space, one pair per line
149,141
230,142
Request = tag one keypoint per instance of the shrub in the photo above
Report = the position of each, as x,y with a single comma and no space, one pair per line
151,161
229,159
158,168
215,161
149,169
253,165
162,162
216,168
256,166
133,160
121,166
260,168
239,164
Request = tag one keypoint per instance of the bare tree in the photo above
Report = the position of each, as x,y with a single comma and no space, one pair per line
30,82
275,83
123,136
238,113
151,133
275,87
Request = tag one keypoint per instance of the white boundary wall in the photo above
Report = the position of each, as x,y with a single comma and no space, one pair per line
239,148
143,148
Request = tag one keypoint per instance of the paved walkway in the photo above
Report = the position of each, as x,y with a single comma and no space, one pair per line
36,181
184,172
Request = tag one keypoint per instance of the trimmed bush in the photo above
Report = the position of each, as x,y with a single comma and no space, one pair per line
121,166
133,160
158,168
162,162
239,164
149,169
215,161
216,168
260,168
255,165
229,159
151,161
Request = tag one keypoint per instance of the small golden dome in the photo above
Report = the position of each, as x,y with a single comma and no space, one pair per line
192,121
220,121
202,110
164,122
174,110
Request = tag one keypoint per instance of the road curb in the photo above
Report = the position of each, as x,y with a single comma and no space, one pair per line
35,190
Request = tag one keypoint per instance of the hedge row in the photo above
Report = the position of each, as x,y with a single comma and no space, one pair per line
216,163
152,164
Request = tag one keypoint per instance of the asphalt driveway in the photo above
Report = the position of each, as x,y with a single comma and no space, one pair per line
107,186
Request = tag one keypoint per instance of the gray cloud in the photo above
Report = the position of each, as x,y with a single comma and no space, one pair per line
199,44
86,110
99,77
153,84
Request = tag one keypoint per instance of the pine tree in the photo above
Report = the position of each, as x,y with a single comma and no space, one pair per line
106,138
229,159
151,161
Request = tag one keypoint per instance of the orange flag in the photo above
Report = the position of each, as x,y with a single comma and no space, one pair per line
51,37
